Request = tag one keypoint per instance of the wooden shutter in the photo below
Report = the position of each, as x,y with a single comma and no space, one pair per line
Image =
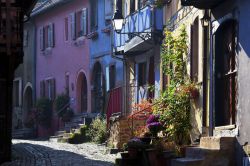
52,35
66,28
84,21
53,88
72,25
41,38
49,35
42,88
108,9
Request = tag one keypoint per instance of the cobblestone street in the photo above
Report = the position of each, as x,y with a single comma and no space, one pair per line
50,153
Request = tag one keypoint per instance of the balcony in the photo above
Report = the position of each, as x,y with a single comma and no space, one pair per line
147,19
201,4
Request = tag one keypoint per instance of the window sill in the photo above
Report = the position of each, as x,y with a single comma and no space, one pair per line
79,41
106,30
47,51
92,35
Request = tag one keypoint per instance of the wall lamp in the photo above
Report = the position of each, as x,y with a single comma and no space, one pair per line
205,20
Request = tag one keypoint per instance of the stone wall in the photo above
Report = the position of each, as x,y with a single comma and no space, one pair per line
121,131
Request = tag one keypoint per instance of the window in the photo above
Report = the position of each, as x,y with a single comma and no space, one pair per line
66,28
94,14
47,36
112,75
17,92
132,6
42,88
50,89
67,83
79,23
142,74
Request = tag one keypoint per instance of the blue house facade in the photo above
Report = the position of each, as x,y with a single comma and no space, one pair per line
107,72
139,42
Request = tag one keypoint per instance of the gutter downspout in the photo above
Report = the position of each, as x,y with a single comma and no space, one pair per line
211,86
205,55
33,52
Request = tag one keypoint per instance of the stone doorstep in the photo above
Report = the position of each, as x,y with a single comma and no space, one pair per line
228,127
187,162
197,152
217,142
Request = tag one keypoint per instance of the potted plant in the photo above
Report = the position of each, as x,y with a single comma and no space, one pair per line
44,112
154,125
193,91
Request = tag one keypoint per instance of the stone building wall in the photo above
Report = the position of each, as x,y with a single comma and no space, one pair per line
121,131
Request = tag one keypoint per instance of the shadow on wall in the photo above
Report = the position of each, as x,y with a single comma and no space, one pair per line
35,154
243,153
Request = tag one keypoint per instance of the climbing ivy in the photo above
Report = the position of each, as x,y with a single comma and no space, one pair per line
174,104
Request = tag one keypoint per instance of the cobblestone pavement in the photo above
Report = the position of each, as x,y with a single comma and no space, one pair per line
47,153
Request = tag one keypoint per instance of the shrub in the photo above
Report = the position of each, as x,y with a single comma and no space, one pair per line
61,104
98,130
68,114
78,137
44,111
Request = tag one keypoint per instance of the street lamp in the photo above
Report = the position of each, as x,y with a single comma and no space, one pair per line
205,20
117,21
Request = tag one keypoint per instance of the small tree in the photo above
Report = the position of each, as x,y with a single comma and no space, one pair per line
44,112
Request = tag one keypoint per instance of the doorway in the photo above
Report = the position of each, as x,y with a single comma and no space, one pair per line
225,74
98,89
82,93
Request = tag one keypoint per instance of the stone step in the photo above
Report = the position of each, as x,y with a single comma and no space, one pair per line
187,162
197,152
219,143
60,132
127,162
22,133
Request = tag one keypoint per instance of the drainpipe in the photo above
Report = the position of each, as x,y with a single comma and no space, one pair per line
205,54
34,62
211,87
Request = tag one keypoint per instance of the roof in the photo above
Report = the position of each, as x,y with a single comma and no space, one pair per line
45,5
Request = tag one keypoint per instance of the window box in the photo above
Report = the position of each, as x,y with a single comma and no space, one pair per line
106,30
92,35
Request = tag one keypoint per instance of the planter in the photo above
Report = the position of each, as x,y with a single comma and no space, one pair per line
125,155
146,140
194,93
132,152
152,156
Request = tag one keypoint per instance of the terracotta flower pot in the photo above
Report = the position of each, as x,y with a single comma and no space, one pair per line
132,152
194,93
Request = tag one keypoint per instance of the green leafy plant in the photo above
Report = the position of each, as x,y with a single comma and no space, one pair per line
98,130
44,112
174,104
78,137
61,104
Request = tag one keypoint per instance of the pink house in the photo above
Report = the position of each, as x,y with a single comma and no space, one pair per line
62,52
